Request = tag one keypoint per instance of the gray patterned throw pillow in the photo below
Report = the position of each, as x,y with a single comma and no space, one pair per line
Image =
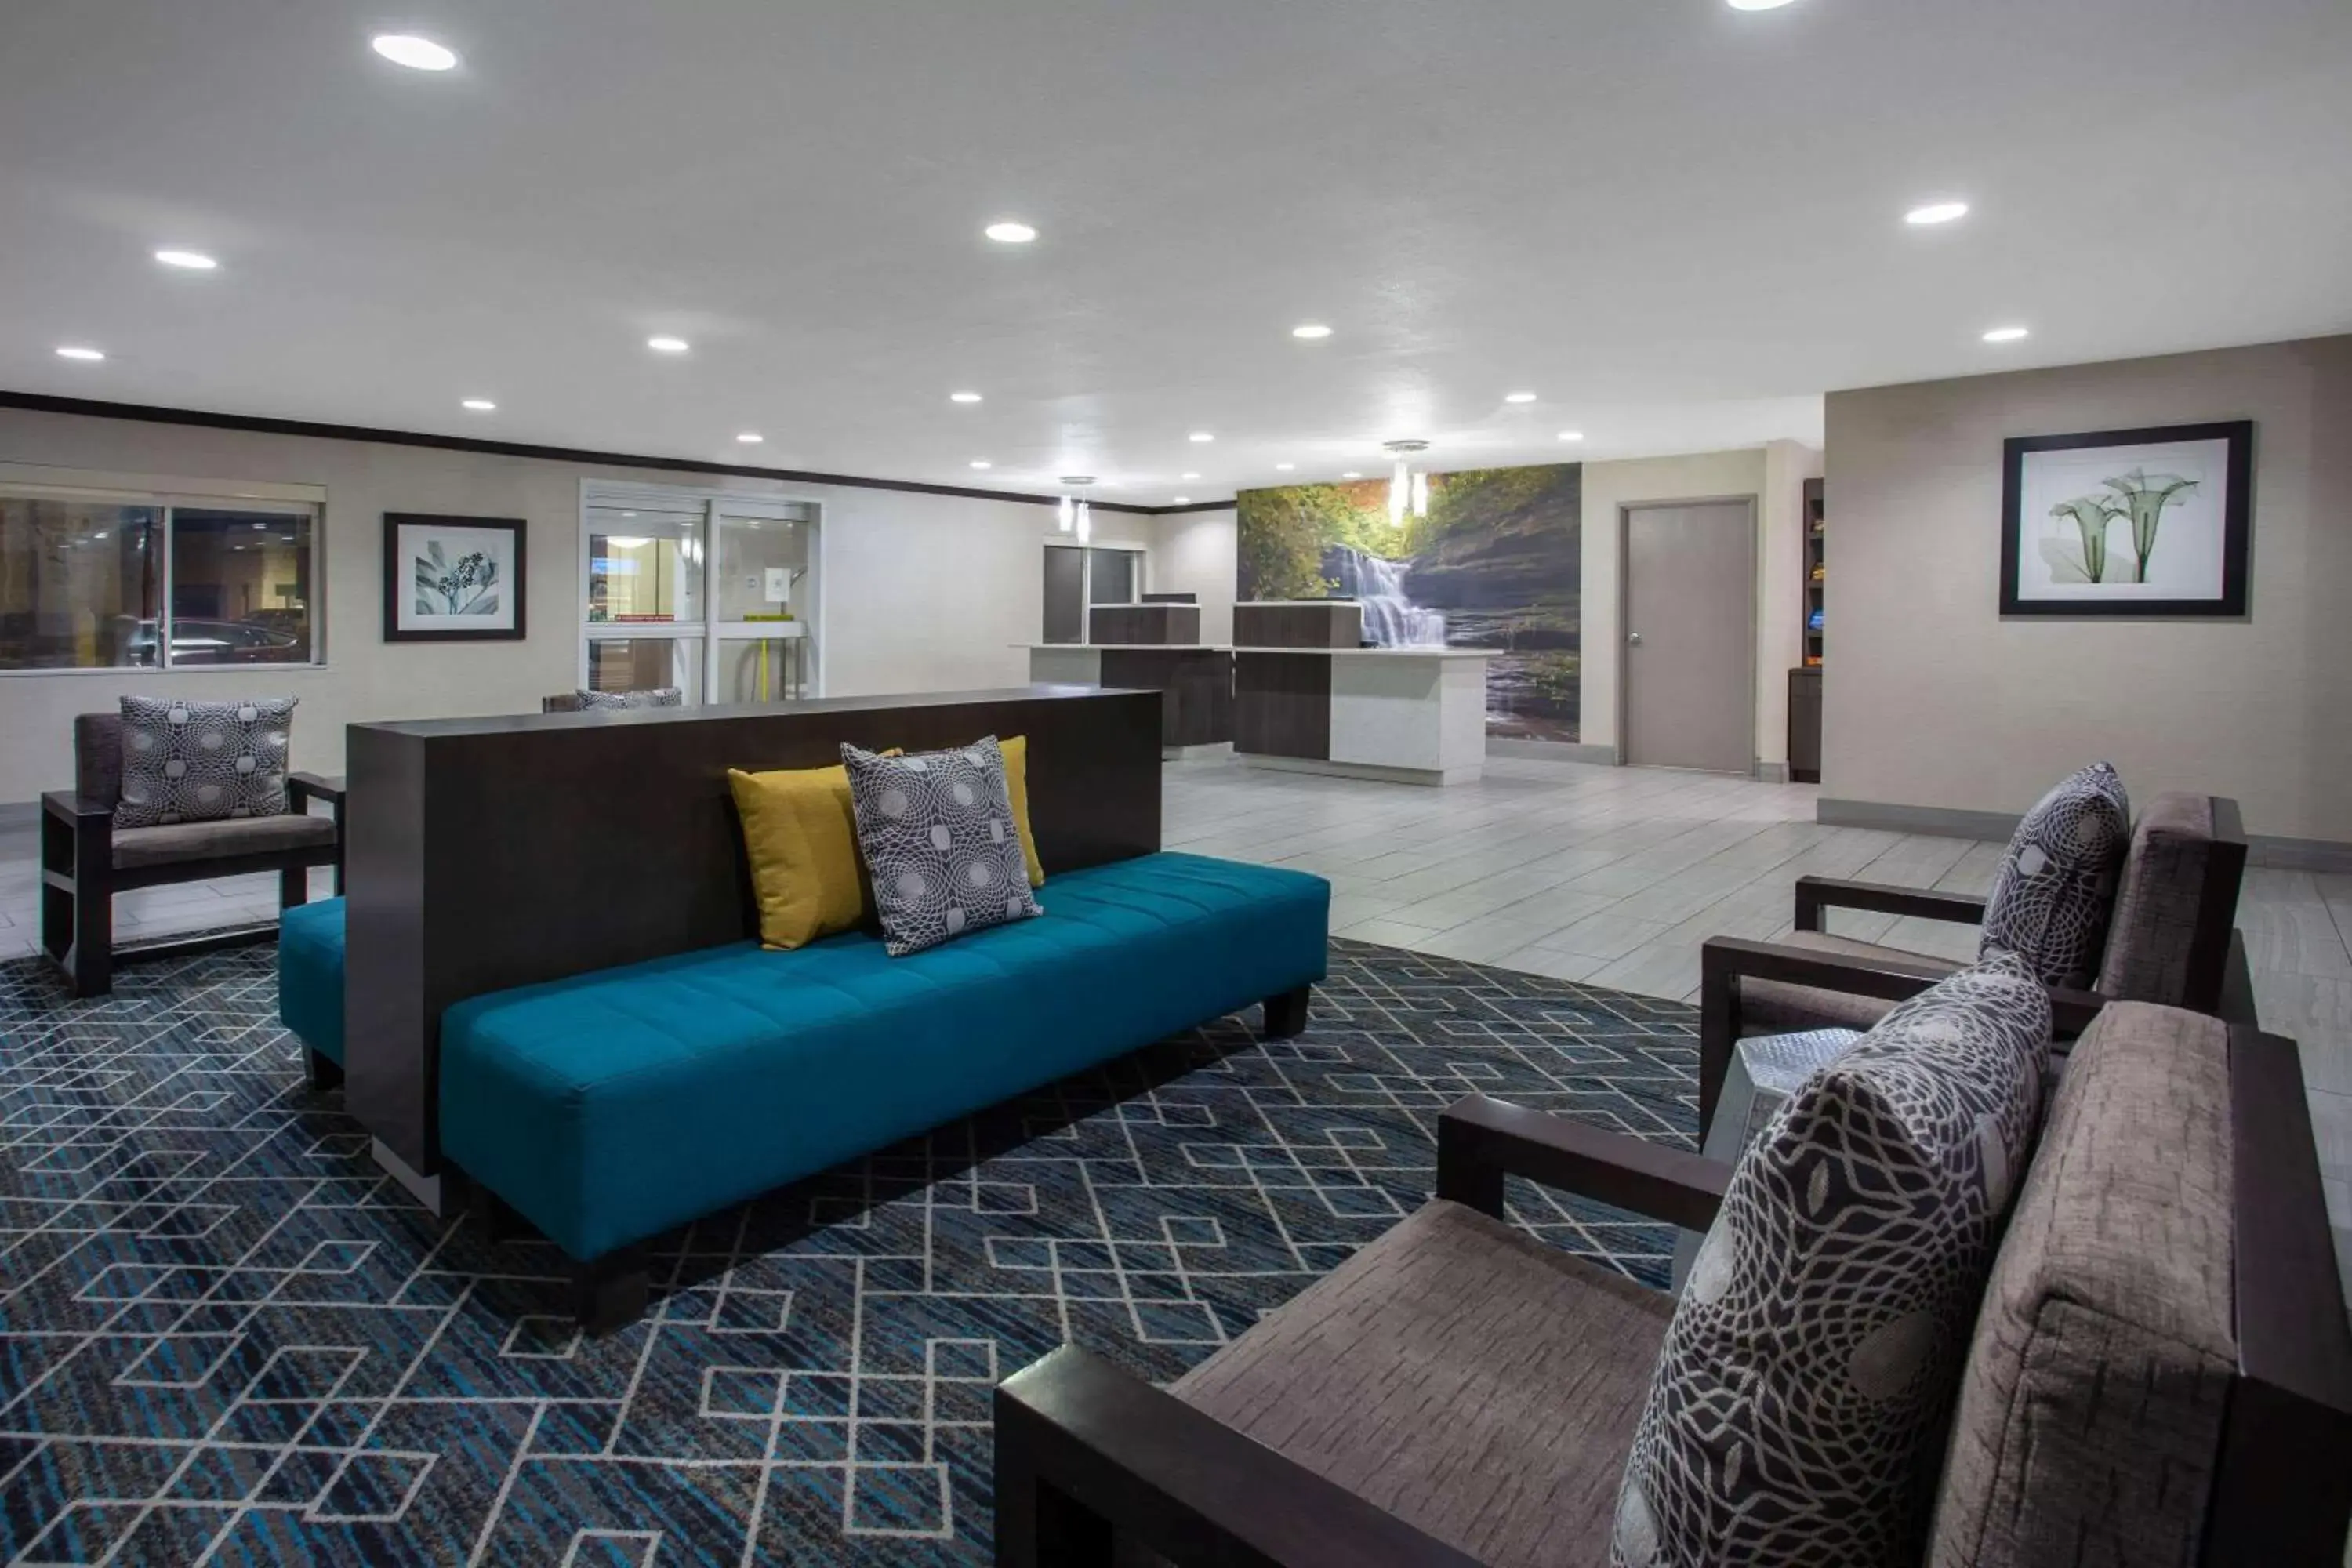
653,697
2056,887
1799,1407
202,762
936,832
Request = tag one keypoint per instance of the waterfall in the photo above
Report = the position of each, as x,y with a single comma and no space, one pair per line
1390,620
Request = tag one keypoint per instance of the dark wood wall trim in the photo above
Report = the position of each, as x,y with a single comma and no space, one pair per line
490,853
93,408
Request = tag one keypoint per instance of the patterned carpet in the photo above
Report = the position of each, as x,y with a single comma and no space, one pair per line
226,1338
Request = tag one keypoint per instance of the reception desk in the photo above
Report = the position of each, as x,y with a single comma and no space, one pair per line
1196,684
1306,698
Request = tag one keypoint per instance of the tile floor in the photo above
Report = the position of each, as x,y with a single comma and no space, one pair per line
1609,875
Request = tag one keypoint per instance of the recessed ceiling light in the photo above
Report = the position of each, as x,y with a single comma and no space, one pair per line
1009,233
191,261
963,397
481,405
981,463
1311,331
1757,4
2007,334
667,346
750,437
1188,475
1571,435
76,350
1200,436
1519,397
415,53
1285,468
1935,213
1181,501
1351,474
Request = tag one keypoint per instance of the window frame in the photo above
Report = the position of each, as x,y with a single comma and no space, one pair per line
166,497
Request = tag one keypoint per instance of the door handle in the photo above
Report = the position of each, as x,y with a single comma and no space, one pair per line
1634,637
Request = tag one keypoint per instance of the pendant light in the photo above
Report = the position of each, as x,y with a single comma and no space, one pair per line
1074,514
1408,487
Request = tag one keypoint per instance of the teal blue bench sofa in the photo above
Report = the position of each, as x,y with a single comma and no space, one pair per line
311,984
610,1107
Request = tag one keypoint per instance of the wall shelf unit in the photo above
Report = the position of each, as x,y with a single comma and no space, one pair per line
1805,679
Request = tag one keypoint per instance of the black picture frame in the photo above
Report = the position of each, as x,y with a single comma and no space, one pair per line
395,575
2237,519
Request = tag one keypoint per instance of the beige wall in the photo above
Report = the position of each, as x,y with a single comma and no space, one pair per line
1195,552
1932,699
921,592
1774,476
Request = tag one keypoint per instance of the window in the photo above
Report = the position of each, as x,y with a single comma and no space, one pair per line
96,580
1078,576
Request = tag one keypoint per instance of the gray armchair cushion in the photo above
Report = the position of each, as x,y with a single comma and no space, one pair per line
2159,901
138,847
1475,1384
2055,892
2091,1409
1776,1007
98,757
184,760
653,697
1802,1397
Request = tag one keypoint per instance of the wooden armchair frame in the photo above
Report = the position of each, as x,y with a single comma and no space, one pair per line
80,880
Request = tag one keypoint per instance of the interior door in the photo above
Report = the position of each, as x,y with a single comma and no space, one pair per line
1689,653
1066,594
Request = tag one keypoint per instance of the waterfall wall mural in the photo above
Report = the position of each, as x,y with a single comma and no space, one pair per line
1495,564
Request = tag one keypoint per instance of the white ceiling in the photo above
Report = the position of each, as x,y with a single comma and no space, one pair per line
1677,222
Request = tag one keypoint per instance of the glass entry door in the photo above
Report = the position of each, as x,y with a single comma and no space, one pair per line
765,587
714,595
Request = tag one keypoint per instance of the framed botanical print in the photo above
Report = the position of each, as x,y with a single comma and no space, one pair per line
2128,522
452,579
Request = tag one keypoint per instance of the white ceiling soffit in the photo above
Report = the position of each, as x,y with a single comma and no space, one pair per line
1676,223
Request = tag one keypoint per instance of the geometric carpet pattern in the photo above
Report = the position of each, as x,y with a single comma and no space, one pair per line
226,1337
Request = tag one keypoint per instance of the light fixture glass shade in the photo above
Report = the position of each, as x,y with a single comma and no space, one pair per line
1400,486
1063,513
1085,523
1420,495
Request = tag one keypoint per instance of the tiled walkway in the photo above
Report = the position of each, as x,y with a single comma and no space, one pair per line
1609,875
1615,876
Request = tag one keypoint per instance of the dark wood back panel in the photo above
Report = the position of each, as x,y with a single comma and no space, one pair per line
1282,705
490,853
1160,624
1319,622
1196,683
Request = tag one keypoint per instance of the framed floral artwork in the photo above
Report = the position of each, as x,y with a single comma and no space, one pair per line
452,579
2128,522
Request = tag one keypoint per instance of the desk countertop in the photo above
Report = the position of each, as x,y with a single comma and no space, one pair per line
1382,652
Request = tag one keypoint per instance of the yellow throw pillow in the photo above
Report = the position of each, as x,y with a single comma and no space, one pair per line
1016,786
800,832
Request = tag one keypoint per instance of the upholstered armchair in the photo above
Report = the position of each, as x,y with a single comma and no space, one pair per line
2171,940
1458,1393
86,859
